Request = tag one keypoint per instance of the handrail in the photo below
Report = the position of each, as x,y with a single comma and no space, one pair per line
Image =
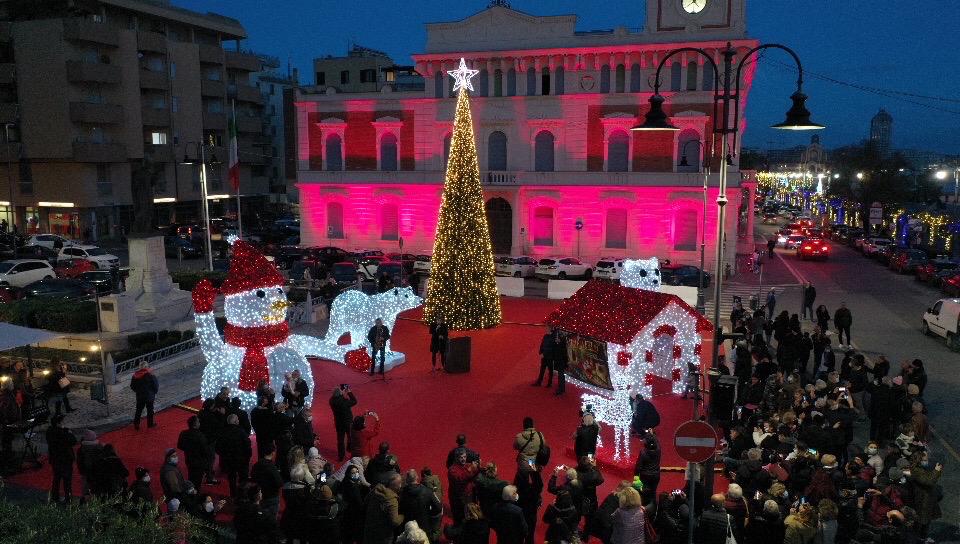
133,363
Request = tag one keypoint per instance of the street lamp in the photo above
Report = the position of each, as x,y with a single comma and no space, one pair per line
860,176
701,302
725,98
942,175
202,154
10,205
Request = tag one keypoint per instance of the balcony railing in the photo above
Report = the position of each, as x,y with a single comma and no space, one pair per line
154,80
151,41
92,113
87,151
154,117
92,72
248,93
242,61
210,87
86,30
210,54
515,178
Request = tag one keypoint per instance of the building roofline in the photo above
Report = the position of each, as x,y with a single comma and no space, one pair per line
230,27
525,14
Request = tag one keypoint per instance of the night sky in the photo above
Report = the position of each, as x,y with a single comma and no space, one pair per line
905,51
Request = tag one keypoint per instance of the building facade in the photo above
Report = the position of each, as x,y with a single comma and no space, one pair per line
552,109
95,95
275,87
881,131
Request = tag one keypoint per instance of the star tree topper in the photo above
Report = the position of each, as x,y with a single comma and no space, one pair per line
462,76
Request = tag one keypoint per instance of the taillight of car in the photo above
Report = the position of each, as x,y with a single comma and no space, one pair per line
807,247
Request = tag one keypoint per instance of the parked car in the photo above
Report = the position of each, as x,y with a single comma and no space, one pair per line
422,265
609,268
683,274
104,281
59,288
367,253
345,272
20,272
884,251
52,241
813,248
906,261
943,319
72,268
38,252
174,246
393,270
872,245
325,256
406,259
94,254
9,293
929,271
793,241
519,266
561,268
950,283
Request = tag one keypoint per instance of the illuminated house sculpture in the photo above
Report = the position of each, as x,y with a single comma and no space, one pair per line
257,343
620,340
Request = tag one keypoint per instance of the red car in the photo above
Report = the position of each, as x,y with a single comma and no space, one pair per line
813,248
73,268
951,285
9,294
931,271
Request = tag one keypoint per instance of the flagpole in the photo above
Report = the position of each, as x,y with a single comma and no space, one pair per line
233,108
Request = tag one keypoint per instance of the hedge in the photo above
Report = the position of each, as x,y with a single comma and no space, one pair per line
51,314
188,280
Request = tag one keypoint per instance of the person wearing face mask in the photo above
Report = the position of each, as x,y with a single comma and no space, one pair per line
925,485
140,493
171,479
353,493
508,519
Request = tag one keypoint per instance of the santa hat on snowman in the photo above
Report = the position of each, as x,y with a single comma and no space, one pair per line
255,309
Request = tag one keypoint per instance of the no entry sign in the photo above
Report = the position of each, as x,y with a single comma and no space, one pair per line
695,441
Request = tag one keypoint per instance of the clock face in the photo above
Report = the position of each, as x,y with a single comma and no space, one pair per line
694,6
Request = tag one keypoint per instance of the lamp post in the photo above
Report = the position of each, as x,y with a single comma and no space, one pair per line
942,175
10,206
726,100
202,154
701,302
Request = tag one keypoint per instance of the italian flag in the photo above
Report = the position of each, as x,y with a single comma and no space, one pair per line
234,164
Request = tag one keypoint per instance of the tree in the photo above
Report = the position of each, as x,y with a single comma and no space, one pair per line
882,180
462,288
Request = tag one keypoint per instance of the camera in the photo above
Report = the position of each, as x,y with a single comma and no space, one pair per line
344,386
812,451
531,462
323,477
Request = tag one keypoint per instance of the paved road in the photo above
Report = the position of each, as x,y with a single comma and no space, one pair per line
887,309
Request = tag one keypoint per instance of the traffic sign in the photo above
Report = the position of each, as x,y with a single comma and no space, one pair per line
876,213
695,441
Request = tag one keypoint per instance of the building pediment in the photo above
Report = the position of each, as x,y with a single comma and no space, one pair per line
499,28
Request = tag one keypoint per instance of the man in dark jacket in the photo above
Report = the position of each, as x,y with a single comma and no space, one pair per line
303,434
454,455
171,479
88,454
417,501
382,466
560,361
197,451
263,420
267,476
341,403
145,386
61,442
439,342
712,528
378,335
235,452
809,296
242,416
843,320
547,349
508,520
645,415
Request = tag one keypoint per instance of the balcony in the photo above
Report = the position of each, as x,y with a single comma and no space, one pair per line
210,54
85,30
154,80
211,87
159,153
154,117
248,93
8,113
251,154
214,121
151,41
91,113
86,151
92,72
8,73
242,61
249,124
516,178
6,31
10,152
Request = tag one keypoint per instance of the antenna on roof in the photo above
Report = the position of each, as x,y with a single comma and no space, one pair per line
501,3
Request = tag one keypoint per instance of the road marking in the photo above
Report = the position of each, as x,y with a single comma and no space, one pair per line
792,270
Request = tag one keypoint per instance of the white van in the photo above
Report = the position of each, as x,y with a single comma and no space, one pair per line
942,319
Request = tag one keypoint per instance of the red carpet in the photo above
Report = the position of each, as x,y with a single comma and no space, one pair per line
421,413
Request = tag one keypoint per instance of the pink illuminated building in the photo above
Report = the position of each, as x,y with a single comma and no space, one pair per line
553,108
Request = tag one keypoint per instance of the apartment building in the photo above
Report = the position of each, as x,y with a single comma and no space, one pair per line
276,87
101,98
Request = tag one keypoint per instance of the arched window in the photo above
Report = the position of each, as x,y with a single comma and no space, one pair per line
545,81
389,222
498,82
559,73
334,152
675,71
691,76
708,76
604,79
446,149
531,81
543,226
481,83
497,151
543,151
690,150
621,78
635,78
618,152
438,84
616,228
511,82
388,152
685,230
335,220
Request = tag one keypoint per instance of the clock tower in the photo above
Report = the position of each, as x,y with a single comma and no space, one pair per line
703,19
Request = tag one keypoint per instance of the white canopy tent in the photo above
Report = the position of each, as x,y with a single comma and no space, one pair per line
14,336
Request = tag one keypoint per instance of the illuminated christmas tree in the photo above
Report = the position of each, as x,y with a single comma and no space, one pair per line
463,288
